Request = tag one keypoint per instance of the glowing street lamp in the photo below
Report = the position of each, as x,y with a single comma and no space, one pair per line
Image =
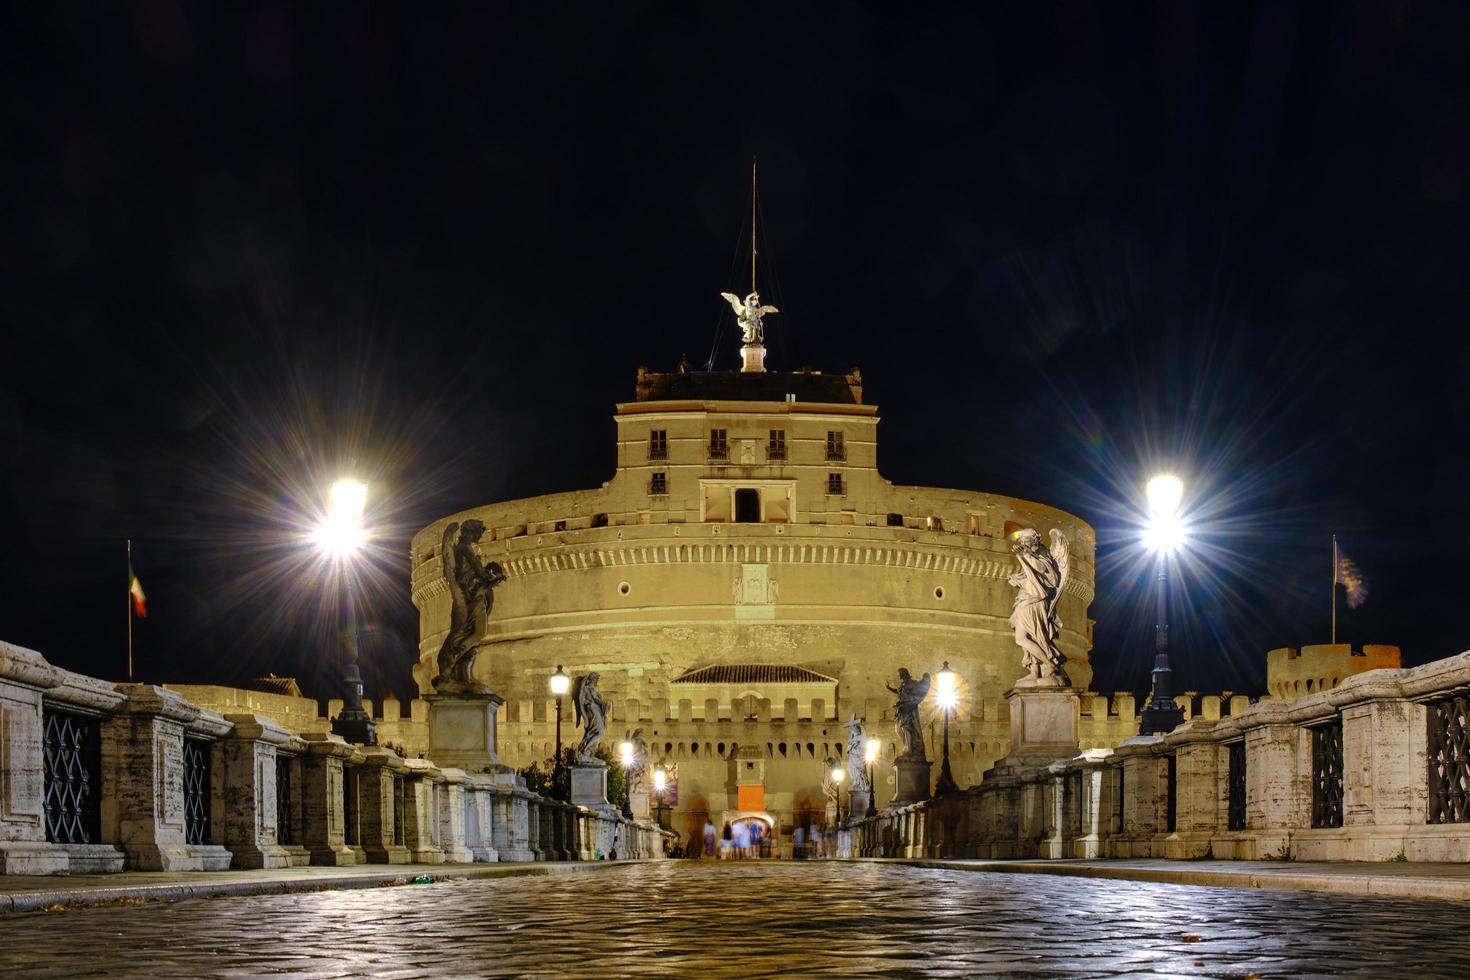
560,684
1165,535
339,537
625,755
946,696
871,748
836,773
660,785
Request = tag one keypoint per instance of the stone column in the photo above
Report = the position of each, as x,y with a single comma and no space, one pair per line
1097,804
479,835
1199,780
1145,795
143,761
248,773
420,812
1384,761
377,788
323,817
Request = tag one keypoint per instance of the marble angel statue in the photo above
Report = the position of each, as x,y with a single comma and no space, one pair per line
1039,582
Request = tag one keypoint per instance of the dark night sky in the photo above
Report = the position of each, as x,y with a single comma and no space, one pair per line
248,245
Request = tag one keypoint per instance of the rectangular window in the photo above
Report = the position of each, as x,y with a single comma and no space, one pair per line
658,484
776,448
719,444
836,450
834,484
658,444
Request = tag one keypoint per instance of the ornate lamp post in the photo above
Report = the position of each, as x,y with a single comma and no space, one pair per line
946,697
837,773
560,683
340,536
871,748
660,785
1164,535
625,755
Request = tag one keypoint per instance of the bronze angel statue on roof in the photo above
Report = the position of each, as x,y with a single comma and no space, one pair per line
470,583
1043,574
748,313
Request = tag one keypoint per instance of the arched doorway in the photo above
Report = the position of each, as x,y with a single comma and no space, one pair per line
757,830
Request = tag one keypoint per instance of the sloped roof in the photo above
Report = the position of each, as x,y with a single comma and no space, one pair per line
271,684
756,386
752,674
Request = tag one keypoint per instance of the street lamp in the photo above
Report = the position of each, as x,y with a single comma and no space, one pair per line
871,748
946,696
660,784
1165,533
339,536
560,683
625,753
836,773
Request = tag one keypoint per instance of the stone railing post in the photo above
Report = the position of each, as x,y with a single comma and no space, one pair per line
453,833
324,818
478,816
379,776
1199,786
1384,748
1145,796
143,752
1095,804
1277,796
1054,796
248,773
420,811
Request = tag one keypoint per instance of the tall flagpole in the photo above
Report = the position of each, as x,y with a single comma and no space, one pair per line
130,610
1334,589
752,224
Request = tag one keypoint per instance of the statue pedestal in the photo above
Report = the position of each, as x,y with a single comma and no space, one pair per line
638,803
589,786
857,804
1043,723
462,731
910,781
753,359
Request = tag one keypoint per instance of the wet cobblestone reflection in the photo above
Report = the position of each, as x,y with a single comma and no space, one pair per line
753,919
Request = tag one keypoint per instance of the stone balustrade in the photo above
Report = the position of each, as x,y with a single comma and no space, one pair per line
1374,769
98,777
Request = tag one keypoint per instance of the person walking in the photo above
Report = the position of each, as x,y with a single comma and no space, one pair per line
709,838
726,842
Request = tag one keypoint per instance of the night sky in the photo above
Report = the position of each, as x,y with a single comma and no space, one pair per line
247,247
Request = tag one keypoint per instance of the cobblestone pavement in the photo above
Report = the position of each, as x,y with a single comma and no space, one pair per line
752,919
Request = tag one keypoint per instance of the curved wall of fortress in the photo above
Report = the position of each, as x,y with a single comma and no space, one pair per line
747,525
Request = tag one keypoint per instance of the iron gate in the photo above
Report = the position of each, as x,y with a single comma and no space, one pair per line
196,792
73,795
1327,775
1449,760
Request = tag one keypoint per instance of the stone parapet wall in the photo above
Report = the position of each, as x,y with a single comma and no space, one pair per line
1345,774
155,781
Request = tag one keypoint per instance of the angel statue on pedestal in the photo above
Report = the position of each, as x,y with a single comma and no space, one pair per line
748,313
1039,585
911,693
470,584
857,761
591,715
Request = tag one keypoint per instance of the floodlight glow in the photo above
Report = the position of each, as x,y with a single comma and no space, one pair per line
837,774
871,750
660,779
560,683
625,751
1165,531
944,688
341,534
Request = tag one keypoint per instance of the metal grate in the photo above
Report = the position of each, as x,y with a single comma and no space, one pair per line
1327,775
1449,760
1172,814
73,795
1121,787
285,830
1235,818
196,792
398,809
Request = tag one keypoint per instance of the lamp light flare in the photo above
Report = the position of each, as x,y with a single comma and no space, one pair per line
560,682
1164,494
837,774
625,751
944,688
1165,531
871,750
660,779
341,534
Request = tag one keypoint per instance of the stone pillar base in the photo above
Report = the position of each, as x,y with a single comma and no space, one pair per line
388,854
262,856
299,855
33,858
333,856
753,359
93,859
462,731
910,781
857,804
1043,724
589,786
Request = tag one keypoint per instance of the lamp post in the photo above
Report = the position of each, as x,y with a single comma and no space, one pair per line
625,754
339,537
836,773
871,748
944,694
660,784
1165,534
560,683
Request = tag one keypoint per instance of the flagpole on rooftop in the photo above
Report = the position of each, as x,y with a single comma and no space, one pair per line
1334,589
130,610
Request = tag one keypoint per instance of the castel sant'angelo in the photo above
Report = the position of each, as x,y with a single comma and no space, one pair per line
746,583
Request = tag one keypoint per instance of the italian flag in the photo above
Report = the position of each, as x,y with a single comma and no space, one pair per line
135,590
